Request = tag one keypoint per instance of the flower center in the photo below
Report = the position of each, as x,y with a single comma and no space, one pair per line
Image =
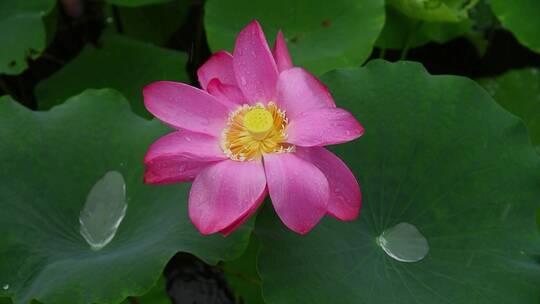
255,130
258,121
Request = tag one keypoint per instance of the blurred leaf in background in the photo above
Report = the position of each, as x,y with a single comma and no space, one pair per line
441,156
518,91
135,3
322,37
152,23
400,31
23,33
434,10
521,17
119,62
51,163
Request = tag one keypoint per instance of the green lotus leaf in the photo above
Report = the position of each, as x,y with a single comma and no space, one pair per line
56,162
135,3
538,218
434,10
401,31
121,63
521,18
440,164
23,33
331,34
518,91
153,23
241,274
156,295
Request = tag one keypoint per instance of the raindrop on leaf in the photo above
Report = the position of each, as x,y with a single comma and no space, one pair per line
404,243
104,210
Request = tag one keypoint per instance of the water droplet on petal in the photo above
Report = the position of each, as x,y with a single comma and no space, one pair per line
404,243
104,210
243,81
188,138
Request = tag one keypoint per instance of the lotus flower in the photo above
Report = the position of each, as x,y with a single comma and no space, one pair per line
258,125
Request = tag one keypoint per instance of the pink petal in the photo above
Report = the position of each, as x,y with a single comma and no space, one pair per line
180,156
220,66
224,193
241,220
323,127
173,170
281,53
254,67
345,197
186,107
229,95
299,91
299,190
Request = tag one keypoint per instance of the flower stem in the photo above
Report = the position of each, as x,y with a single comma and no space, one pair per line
410,37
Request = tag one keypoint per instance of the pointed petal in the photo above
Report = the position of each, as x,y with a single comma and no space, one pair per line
254,67
229,95
299,91
345,197
180,156
224,193
185,107
323,127
281,53
241,220
299,190
220,66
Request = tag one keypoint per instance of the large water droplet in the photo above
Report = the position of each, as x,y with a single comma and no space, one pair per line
104,210
404,243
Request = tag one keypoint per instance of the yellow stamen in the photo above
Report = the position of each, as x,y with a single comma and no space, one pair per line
258,121
255,130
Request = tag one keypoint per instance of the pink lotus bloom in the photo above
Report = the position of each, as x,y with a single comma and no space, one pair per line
258,125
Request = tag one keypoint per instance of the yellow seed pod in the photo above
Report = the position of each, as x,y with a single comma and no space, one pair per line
258,121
